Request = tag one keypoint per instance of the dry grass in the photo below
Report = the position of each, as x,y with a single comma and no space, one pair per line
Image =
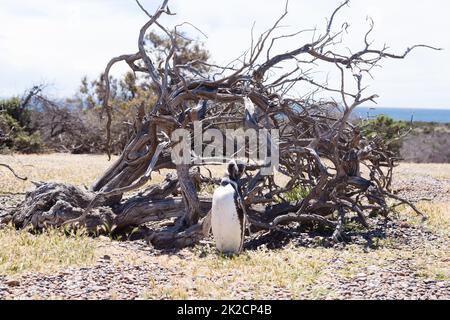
294,272
22,251
81,170
256,274
437,214
429,261
433,262
299,272
434,170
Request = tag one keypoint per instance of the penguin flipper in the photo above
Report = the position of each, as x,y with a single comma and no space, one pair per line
242,213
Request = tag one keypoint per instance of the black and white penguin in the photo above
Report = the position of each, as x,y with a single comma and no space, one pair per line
228,214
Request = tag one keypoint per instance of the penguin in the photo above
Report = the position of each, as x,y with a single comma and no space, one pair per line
228,214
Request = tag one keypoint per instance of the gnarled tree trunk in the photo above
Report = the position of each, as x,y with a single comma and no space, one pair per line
320,151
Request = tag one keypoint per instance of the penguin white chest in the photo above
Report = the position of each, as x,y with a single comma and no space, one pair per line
227,226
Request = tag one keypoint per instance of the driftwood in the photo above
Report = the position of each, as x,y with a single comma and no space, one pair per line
319,149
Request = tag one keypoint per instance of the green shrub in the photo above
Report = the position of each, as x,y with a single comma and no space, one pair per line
13,107
28,143
388,129
296,194
16,132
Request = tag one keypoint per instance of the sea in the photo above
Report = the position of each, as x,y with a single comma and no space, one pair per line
405,114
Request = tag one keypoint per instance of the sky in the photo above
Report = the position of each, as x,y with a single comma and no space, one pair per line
58,42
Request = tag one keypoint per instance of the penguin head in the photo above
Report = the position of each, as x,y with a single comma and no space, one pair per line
235,170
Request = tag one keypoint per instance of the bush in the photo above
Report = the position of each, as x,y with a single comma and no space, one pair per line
13,107
28,143
388,129
16,132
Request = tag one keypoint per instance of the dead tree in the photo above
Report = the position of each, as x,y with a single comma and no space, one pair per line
320,150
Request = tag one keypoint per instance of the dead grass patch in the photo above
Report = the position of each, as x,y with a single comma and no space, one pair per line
22,251
254,274
437,214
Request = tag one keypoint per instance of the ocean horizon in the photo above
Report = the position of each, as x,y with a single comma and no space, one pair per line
405,114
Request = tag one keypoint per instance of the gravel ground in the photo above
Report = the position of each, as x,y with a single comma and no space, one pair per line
399,280
418,188
104,281
115,276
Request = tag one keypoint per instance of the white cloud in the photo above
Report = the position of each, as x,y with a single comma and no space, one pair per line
60,41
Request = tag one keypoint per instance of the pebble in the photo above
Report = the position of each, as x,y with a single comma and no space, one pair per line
12,283
113,278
